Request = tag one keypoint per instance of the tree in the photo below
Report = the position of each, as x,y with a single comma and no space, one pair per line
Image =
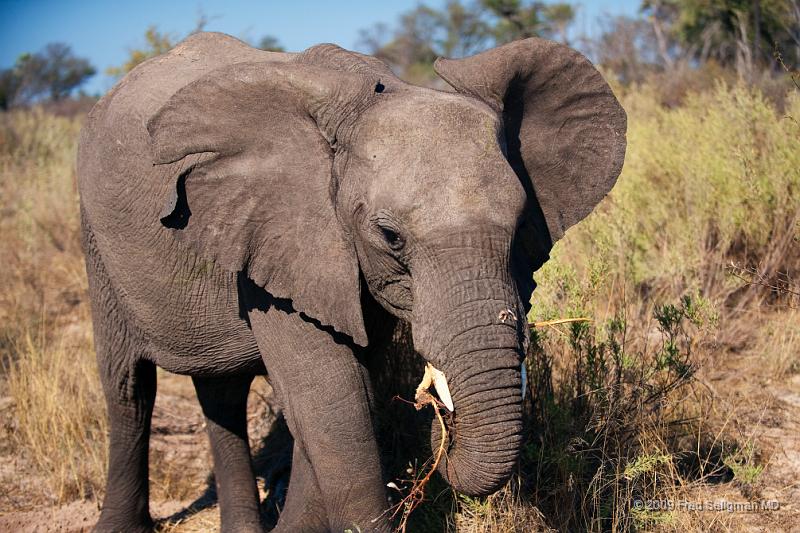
514,19
54,73
458,30
735,33
412,47
558,18
270,44
466,31
62,72
628,47
9,86
156,43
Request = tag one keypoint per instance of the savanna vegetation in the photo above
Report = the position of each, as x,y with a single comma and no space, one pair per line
677,377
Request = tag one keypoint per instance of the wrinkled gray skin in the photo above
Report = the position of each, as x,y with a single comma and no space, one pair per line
244,210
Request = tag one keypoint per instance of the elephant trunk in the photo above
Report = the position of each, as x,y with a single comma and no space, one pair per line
477,341
485,432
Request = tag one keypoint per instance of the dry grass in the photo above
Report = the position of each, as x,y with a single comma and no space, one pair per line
43,275
779,343
48,362
201,522
60,418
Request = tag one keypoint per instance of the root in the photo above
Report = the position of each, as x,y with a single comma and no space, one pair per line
416,495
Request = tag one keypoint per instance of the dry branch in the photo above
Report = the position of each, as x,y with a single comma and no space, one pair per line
416,495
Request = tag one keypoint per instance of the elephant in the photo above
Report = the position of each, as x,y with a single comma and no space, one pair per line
249,213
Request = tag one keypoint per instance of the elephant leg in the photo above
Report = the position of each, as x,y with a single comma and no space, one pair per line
130,395
129,386
224,403
304,509
325,393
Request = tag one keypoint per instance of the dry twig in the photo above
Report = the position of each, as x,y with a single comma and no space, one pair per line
557,321
416,495
778,282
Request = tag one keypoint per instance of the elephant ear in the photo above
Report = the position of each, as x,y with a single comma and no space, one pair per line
565,130
247,150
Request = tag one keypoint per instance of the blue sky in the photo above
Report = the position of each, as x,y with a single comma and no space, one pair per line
103,31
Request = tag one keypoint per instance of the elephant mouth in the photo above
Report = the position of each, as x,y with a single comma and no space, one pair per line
476,435
434,376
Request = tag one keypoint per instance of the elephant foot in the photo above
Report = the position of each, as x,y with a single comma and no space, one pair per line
120,525
242,527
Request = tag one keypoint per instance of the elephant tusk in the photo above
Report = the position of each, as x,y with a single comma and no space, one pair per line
440,384
524,372
435,377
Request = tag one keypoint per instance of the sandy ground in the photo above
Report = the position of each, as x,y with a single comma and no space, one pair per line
768,413
183,498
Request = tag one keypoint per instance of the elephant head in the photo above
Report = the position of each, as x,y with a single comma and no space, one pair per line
310,173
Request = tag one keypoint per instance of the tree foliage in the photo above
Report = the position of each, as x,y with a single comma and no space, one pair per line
514,19
627,46
52,74
270,44
737,33
425,33
156,43
741,36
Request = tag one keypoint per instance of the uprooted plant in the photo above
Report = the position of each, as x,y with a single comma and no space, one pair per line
420,478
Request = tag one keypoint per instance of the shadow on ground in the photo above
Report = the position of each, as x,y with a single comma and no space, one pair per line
272,463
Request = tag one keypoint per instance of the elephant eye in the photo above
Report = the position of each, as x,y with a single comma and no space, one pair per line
391,237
